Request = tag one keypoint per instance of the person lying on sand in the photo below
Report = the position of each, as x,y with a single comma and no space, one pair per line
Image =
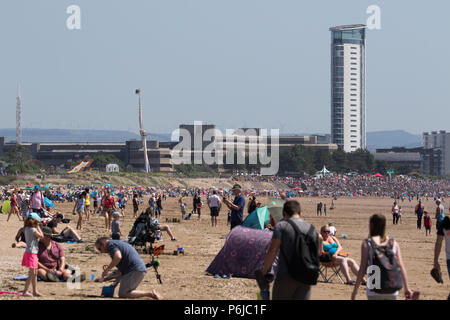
67,232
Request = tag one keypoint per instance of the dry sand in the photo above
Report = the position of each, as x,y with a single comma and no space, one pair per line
184,277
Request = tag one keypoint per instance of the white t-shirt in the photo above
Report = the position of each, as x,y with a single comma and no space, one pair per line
214,201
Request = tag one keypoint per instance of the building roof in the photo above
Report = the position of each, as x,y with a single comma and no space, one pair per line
348,27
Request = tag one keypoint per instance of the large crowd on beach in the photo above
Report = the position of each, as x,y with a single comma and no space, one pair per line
44,256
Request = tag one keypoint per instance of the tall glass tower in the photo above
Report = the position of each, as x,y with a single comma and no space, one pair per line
348,87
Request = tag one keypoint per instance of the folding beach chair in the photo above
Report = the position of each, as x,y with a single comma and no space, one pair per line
329,270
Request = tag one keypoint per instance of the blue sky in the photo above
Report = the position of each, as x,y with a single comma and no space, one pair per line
234,63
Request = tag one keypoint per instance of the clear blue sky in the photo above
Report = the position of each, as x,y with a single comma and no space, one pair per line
234,63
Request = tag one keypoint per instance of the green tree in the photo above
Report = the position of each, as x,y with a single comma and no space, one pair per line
19,159
101,159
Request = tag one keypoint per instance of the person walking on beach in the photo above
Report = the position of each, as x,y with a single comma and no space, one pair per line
158,206
14,207
79,208
443,234
376,251
395,210
419,213
440,214
214,205
87,204
427,223
286,232
319,208
135,205
236,207
108,206
30,258
37,201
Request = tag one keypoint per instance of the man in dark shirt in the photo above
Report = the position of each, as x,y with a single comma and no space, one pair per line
236,207
131,267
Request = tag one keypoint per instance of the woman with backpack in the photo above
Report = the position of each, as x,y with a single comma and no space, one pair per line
387,273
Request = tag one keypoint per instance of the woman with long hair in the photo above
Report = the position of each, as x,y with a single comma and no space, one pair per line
370,253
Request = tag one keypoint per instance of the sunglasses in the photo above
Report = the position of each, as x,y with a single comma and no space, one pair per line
326,231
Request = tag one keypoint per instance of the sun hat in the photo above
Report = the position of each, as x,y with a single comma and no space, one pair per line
47,231
438,200
34,216
236,187
116,214
330,224
36,187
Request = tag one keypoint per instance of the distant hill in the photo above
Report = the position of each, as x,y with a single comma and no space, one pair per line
386,139
66,135
375,140
395,138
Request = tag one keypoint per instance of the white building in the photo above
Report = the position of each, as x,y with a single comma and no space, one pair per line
348,87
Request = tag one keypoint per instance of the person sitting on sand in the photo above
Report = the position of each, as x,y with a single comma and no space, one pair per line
51,259
331,250
67,232
20,239
131,267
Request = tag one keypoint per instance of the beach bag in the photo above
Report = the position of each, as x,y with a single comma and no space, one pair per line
390,272
304,264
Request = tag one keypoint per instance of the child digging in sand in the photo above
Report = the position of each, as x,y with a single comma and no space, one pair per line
30,259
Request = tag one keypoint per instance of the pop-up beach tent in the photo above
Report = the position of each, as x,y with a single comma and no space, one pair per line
243,253
258,219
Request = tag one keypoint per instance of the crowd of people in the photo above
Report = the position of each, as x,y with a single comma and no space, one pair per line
44,257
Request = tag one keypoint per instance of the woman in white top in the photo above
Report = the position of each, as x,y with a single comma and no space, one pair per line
378,238
395,216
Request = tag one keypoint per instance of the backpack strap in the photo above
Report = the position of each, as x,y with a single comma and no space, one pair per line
297,232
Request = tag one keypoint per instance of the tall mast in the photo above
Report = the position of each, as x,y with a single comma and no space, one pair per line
18,116
143,133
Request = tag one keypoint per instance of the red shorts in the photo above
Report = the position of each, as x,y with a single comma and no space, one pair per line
30,260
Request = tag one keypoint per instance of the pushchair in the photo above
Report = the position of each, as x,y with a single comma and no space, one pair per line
143,233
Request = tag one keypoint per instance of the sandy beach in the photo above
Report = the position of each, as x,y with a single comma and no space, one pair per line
184,277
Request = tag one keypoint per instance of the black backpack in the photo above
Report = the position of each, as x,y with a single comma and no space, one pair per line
304,264
384,257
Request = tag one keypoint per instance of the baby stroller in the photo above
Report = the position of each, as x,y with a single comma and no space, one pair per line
143,232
